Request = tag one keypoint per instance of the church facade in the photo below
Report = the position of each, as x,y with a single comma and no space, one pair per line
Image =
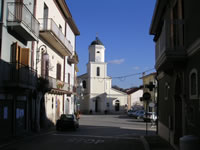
96,92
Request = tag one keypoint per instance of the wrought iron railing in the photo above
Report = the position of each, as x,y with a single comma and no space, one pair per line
16,73
48,24
18,12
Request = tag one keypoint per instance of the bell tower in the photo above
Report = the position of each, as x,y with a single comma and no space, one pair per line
96,51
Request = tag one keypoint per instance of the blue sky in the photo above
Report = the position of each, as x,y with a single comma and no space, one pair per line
123,27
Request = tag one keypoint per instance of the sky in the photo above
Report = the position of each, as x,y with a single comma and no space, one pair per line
123,27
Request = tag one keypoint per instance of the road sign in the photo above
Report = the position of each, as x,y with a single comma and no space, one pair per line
146,96
151,104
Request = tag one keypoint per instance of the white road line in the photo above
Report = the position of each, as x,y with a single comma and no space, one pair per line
94,136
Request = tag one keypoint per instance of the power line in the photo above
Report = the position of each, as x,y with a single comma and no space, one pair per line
121,78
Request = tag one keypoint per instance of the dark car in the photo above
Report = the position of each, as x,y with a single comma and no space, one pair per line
67,121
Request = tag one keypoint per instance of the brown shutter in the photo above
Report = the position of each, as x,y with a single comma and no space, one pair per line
58,71
69,79
24,56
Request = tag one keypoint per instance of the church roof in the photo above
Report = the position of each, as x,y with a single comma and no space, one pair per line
96,42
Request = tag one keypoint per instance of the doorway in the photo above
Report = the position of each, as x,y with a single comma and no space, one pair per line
178,111
117,105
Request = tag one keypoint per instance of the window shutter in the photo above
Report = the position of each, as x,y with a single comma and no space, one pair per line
59,71
69,78
24,56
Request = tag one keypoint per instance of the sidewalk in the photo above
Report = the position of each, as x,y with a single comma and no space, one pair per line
11,140
156,143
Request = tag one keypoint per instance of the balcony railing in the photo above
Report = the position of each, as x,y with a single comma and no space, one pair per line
59,85
74,59
17,75
167,40
20,16
59,41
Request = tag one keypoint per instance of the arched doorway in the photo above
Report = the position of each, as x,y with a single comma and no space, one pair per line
117,105
178,111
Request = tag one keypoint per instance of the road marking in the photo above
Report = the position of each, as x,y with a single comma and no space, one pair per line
86,141
95,136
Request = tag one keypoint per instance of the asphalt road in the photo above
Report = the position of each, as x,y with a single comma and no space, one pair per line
96,132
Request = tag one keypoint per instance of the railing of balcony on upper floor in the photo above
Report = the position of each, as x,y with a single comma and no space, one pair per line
48,24
16,74
171,37
19,13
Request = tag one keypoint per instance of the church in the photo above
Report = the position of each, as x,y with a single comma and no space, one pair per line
96,94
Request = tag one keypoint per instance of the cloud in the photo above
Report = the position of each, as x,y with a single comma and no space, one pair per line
116,61
136,68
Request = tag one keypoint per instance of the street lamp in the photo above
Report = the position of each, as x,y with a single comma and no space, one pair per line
43,49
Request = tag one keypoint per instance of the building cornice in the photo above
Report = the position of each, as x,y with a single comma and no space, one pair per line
67,14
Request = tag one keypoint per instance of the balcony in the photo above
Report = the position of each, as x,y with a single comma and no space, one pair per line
22,22
73,59
54,36
59,87
17,76
169,46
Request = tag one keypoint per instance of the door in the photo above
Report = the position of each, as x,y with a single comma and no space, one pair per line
117,105
5,118
178,111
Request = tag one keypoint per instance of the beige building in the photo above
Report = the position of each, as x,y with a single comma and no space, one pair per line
149,85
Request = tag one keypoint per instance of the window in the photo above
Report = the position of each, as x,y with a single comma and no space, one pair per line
84,84
58,72
45,65
1,9
19,55
69,78
98,71
178,24
193,86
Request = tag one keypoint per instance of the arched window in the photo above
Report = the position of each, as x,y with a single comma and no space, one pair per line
84,84
98,71
193,86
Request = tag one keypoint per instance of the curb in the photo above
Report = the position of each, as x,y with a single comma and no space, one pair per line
145,143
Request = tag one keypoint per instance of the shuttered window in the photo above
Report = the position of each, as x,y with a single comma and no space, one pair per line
19,55
58,73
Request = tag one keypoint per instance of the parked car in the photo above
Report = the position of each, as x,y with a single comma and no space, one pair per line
150,116
67,121
139,114
130,113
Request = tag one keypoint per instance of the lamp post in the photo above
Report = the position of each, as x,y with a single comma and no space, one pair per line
43,49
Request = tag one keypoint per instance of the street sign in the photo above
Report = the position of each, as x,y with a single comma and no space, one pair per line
151,104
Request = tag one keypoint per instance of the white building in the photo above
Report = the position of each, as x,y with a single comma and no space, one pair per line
134,98
96,94
55,57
